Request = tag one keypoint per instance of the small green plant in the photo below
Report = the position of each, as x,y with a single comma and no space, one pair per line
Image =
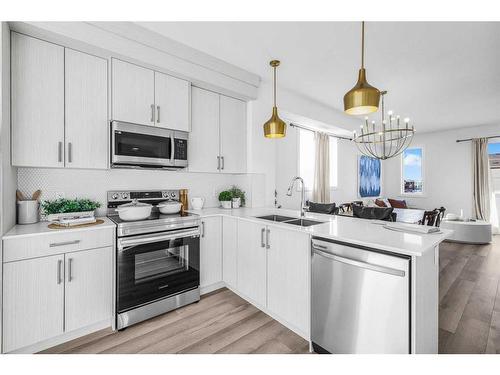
236,192
225,196
60,206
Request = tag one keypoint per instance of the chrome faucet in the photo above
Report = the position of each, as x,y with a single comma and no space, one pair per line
302,195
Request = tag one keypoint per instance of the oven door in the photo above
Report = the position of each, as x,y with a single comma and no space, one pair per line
155,266
140,145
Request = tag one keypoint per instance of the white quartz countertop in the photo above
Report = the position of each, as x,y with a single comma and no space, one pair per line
42,228
369,233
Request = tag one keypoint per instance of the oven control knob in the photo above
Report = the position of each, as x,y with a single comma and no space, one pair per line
165,194
124,195
114,196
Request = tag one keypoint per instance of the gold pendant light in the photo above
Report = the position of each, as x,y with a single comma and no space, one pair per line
274,127
362,98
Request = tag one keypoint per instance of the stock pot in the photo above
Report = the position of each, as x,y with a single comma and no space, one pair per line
134,211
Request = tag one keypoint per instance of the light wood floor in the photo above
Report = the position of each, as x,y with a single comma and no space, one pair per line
221,322
469,293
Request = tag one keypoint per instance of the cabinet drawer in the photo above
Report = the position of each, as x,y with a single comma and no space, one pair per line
57,243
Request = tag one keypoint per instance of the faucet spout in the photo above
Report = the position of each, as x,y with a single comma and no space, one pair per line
302,195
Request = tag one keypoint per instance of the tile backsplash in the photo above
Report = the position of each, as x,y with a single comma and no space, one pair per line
94,184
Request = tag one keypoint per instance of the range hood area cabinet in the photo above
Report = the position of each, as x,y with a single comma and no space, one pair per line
59,106
217,142
147,97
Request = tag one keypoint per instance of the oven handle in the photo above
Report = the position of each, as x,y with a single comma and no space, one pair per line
127,242
172,145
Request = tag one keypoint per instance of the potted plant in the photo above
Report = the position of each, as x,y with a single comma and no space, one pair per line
238,196
225,198
60,208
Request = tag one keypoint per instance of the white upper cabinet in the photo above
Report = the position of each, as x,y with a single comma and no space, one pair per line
89,282
217,142
86,115
133,93
210,251
203,145
37,93
233,140
172,100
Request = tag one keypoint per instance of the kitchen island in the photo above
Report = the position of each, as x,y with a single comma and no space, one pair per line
269,264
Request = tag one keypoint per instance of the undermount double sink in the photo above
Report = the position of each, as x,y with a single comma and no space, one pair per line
290,220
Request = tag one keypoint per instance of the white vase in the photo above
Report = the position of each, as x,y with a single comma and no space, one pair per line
236,202
226,204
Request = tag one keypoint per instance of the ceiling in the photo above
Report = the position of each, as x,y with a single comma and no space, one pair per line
440,74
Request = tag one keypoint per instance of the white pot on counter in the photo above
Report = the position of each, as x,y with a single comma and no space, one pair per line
134,211
197,203
169,207
226,204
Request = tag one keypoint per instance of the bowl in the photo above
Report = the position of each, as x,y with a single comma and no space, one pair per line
169,207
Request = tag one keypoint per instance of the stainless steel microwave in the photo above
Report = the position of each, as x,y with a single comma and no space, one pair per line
141,146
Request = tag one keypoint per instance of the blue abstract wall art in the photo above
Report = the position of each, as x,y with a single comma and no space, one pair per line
368,177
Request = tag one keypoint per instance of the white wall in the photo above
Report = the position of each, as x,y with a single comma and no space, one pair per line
447,169
275,157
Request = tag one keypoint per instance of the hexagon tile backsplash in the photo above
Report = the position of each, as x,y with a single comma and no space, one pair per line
94,184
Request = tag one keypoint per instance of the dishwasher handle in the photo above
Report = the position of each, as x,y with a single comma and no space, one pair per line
357,263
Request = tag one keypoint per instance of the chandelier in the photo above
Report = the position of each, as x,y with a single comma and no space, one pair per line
385,140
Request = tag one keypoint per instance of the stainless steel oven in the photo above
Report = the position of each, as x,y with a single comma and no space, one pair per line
156,272
141,146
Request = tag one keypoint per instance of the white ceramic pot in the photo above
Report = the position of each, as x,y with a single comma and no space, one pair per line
226,204
236,202
134,211
169,207
197,203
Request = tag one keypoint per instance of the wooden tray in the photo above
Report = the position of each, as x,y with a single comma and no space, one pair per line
59,226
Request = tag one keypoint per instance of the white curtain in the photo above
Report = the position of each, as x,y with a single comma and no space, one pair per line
321,186
481,179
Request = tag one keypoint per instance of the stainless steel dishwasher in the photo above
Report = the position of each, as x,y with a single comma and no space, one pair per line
360,299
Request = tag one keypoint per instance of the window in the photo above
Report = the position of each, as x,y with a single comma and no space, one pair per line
307,152
412,175
494,154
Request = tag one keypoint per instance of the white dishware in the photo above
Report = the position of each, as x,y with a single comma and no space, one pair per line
236,202
197,203
226,204
169,207
27,212
134,211
451,217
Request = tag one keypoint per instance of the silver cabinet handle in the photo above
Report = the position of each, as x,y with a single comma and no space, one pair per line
268,235
262,231
358,263
59,152
59,271
55,244
70,269
218,163
152,113
202,229
222,158
158,113
70,152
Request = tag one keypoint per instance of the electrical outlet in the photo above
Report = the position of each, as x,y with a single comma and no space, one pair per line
60,195
214,193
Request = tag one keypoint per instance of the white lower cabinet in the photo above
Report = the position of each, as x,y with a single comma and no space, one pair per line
210,251
252,262
230,251
88,294
33,301
288,276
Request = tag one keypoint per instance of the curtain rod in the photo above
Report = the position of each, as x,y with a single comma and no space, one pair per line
470,139
315,130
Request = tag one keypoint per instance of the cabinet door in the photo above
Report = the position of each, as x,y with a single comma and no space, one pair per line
203,145
33,301
210,251
233,135
288,276
86,110
133,93
252,262
37,92
89,282
230,251
172,100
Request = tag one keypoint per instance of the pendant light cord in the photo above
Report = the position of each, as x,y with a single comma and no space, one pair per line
362,44
274,85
